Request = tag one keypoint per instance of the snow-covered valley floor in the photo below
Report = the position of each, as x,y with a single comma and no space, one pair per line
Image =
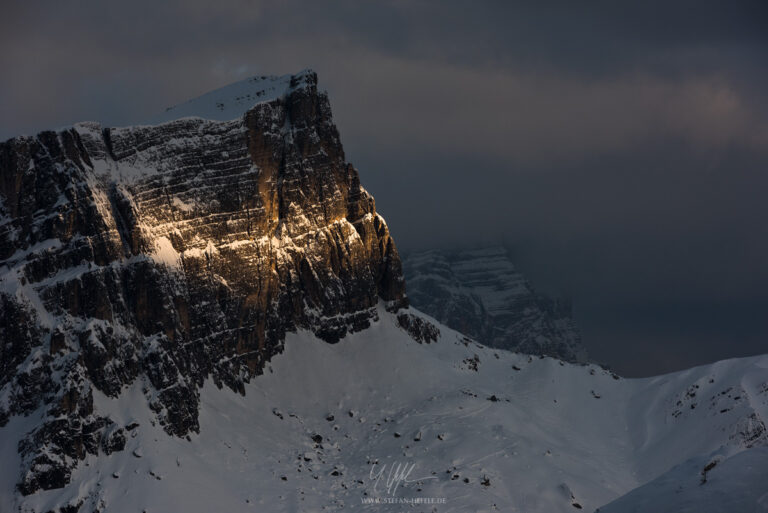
457,426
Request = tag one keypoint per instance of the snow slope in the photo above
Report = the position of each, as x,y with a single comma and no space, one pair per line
233,100
735,484
473,429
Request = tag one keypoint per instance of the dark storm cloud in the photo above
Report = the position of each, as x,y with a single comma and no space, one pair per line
621,149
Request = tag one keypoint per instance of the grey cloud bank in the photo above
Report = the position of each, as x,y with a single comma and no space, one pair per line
620,149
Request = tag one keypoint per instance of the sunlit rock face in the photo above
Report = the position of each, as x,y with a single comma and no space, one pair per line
480,293
174,253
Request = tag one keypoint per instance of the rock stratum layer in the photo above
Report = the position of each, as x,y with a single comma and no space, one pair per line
173,254
481,294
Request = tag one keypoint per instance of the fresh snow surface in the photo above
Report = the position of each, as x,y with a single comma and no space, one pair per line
518,434
738,484
232,101
165,253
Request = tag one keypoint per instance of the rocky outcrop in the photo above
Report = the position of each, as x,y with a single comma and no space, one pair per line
175,253
481,294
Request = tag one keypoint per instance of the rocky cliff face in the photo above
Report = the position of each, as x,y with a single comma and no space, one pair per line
481,294
172,254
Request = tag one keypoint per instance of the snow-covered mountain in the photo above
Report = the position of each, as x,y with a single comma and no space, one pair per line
476,429
208,314
177,253
479,292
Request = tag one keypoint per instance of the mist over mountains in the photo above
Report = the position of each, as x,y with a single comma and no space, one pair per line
210,312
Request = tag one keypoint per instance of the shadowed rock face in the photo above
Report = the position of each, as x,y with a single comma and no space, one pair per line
172,254
481,294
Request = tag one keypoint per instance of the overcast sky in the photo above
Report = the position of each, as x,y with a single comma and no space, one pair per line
621,150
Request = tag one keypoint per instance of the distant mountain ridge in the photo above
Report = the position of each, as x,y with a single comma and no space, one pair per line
480,293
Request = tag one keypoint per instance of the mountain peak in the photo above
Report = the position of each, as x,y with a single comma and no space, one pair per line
480,293
173,254
234,100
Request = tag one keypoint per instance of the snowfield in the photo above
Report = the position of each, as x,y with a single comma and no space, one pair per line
379,422
734,484
233,100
